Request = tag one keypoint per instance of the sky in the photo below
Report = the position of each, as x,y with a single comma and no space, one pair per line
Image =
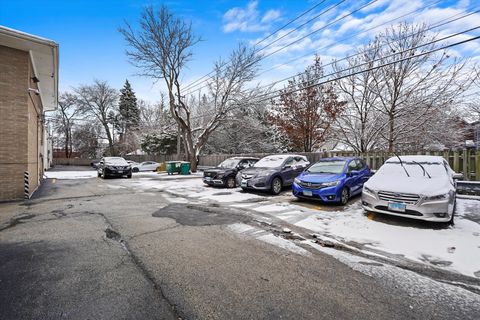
92,48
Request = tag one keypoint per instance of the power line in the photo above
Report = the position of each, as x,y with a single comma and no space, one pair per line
262,40
291,43
364,31
336,43
270,97
368,50
369,69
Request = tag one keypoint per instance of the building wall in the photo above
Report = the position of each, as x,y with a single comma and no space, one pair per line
20,132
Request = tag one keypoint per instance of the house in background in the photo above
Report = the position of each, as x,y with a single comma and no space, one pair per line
28,88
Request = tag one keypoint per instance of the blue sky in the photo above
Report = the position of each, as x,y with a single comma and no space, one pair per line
91,47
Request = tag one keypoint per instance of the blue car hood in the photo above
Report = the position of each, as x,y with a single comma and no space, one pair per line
320,177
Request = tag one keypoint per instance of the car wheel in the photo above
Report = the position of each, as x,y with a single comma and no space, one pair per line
104,175
129,176
244,189
98,174
276,186
344,196
451,222
135,170
230,182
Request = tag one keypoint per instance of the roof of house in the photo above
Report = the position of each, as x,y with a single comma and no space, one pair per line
44,56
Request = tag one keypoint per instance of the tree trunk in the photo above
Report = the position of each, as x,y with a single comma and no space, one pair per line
179,142
109,137
390,132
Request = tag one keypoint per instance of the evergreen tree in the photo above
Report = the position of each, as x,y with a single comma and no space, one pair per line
128,112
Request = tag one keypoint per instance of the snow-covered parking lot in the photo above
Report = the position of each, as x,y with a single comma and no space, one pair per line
454,248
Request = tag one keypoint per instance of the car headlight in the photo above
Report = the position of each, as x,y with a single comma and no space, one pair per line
369,191
263,174
297,181
437,197
331,183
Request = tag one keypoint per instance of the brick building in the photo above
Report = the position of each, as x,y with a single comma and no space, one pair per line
28,88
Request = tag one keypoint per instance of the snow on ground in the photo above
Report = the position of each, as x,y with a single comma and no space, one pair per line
193,188
70,174
456,248
424,290
268,237
453,248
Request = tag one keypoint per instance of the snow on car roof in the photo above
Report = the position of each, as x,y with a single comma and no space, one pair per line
417,158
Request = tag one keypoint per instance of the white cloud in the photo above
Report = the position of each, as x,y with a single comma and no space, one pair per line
249,19
271,15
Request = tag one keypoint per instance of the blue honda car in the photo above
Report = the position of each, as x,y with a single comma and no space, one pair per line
332,180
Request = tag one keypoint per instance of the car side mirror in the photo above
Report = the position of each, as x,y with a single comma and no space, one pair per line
101,162
458,176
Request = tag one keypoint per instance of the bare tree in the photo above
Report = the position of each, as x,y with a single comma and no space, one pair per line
359,125
411,90
99,101
64,119
161,49
408,84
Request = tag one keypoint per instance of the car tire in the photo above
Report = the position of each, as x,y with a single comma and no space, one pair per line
104,175
276,186
135,170
244,189
129,176
451,222
344,196
230,183
98,174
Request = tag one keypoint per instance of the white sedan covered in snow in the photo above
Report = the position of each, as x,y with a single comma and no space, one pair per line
419,187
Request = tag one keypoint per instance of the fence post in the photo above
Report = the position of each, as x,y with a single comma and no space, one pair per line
456,161
466,169
477,165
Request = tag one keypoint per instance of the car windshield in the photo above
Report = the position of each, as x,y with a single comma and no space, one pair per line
327,167
415,169
270,162
229,163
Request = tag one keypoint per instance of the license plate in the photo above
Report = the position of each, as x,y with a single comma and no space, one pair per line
395,206
307,193
207,179
120,171
243,183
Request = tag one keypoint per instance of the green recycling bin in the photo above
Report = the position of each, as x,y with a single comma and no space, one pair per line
173,166
185,167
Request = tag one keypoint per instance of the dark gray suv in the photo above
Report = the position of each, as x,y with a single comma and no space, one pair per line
272,173
224,174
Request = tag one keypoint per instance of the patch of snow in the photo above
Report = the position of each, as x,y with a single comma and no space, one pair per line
451,248
62,175
424,290
284,244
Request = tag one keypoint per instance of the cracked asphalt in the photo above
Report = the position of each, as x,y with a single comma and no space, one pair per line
78,250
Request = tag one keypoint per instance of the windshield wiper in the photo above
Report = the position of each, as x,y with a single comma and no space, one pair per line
424,171
401,163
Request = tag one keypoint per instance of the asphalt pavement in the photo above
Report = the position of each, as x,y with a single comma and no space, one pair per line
95,249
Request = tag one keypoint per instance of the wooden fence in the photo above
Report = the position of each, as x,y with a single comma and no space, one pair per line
465,161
